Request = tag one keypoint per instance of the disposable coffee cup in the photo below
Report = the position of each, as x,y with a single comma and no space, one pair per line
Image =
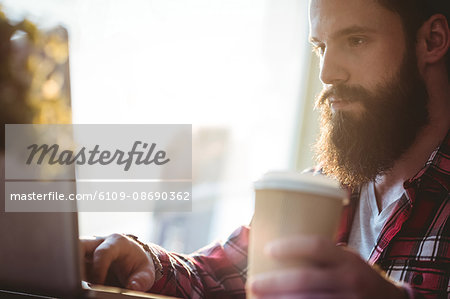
287,204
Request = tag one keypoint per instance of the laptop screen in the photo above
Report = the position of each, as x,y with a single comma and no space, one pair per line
39,250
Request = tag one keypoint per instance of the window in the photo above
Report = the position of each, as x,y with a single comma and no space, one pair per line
237,70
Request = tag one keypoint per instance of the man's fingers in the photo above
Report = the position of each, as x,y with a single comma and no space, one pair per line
141,281
88,245
103,256
305,279
118,260
312,248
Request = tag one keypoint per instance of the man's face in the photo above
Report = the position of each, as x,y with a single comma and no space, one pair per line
374,100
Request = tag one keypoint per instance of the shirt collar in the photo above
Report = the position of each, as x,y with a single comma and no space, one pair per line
437,167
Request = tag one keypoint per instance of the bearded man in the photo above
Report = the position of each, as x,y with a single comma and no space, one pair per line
385,113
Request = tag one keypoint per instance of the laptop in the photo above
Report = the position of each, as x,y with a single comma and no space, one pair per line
40,255
39,252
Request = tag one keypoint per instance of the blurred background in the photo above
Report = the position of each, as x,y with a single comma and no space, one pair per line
240,71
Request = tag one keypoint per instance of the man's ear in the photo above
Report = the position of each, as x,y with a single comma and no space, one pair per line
433,40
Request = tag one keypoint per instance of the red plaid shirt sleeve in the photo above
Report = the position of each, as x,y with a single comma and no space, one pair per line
216,271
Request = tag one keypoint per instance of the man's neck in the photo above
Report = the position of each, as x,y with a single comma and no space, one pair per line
389,186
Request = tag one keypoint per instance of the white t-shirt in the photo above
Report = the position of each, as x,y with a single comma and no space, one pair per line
368,221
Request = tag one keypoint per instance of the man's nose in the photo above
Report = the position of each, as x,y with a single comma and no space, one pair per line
332,70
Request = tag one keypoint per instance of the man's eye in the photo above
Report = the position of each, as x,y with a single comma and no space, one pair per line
319,49
356,41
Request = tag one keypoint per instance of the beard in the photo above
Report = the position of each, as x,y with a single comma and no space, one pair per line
356,148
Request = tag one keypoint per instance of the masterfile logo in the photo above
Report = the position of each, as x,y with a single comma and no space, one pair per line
95,156
99,151
129,168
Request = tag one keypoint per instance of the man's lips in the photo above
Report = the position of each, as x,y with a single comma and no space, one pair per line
338,104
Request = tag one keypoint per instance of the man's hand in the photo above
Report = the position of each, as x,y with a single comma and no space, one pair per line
331,272
118,259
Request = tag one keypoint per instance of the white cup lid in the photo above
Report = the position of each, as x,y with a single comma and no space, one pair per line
305,182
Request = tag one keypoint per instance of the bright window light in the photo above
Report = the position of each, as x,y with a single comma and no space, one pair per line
233,69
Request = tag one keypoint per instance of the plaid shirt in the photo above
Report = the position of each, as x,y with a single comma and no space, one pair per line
413,247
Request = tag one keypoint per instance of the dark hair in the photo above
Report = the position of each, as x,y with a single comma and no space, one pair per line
416,12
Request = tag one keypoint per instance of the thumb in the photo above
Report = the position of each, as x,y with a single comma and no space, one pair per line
141,281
